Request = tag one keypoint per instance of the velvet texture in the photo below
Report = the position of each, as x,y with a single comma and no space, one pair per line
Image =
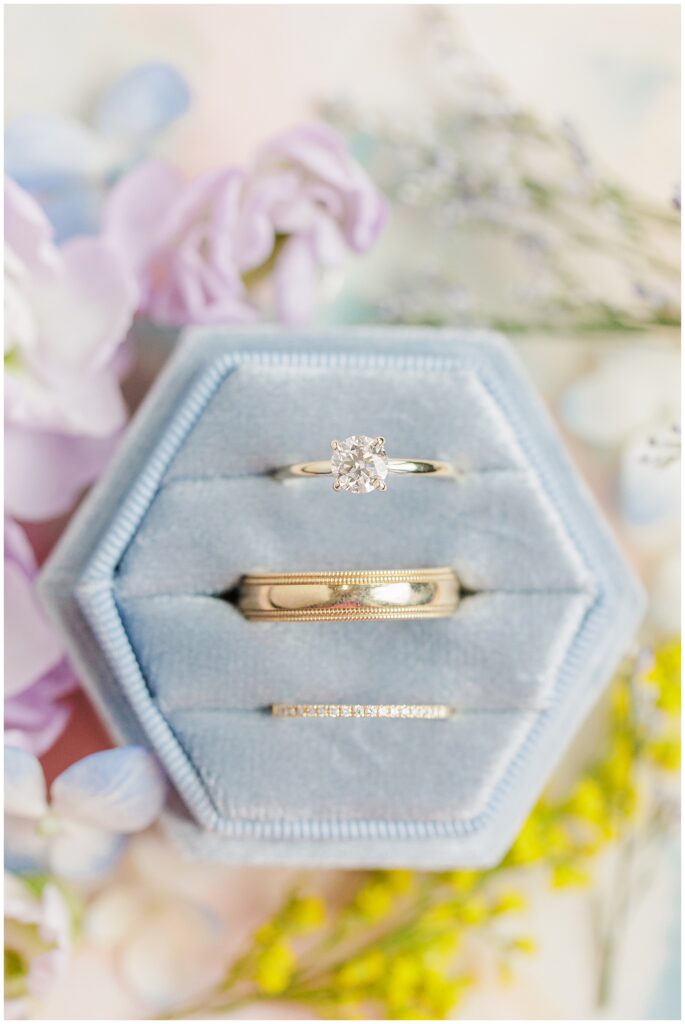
139,584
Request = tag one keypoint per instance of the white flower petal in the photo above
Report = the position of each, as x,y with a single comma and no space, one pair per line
649,494
113,914
21,903
173,957
25,793
84,310
121,790
628,389
56,922
83,853
28,230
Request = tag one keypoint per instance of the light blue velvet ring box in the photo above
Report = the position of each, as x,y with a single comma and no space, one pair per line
189,506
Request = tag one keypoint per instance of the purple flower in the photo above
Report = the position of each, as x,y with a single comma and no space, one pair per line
37,676
179,238
306,203
67,312
203,250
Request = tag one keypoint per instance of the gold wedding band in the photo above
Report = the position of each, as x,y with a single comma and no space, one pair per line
359,464
366,595
429,711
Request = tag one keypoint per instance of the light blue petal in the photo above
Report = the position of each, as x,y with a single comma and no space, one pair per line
59,162
44,151
120,790
72,210
143,102
25,805
24,784
26,847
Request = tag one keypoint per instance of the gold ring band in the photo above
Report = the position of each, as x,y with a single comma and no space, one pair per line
426,711
365,595
407,466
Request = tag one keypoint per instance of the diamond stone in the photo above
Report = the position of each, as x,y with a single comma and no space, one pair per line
359,464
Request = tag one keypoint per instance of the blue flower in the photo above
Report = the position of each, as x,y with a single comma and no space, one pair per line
68,166
81,831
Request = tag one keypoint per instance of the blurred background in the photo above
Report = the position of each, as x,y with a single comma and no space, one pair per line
530,155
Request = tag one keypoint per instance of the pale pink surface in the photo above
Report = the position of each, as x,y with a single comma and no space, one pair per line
67,312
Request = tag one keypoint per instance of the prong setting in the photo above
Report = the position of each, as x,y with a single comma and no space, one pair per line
359,464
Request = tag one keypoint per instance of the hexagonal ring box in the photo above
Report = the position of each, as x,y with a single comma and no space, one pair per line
141,585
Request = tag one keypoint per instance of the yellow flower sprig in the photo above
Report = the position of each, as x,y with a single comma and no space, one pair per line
402,946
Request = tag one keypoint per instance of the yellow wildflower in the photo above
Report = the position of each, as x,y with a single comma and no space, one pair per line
399,881
621,699
439,992
307,913
439,916
362,970
665,753
275,966
267,933
566,875
665,673
374,900
509,901
462,881
588,801
524,944
473,910
557,839
402,979
529,845
443,947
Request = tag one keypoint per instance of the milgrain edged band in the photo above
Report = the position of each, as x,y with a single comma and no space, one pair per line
363,595
425,711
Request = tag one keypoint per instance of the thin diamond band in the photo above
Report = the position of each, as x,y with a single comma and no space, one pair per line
429,711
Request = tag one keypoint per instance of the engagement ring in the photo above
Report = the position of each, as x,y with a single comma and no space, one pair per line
359,464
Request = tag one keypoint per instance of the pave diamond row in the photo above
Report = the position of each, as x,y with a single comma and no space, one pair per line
362,710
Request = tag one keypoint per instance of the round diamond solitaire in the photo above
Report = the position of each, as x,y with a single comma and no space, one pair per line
359,464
